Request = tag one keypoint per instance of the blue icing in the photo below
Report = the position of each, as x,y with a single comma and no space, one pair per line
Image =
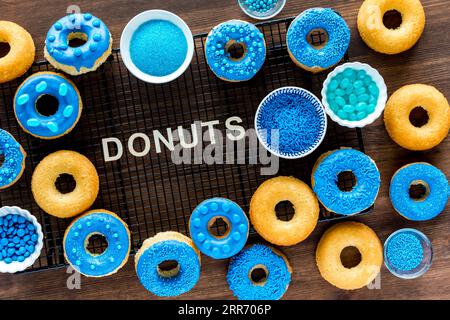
47,84
14,159
116,234
423,209
220,61
241,265
338,38
98,40
237,233
188,272
363,194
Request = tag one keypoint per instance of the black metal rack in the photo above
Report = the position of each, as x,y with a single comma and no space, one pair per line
151,193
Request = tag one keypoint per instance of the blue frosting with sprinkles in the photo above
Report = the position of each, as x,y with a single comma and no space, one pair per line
220,60
236,236
97,223
13,159
435,198
98,40
318,19
52,84
277,279
188,268
363,194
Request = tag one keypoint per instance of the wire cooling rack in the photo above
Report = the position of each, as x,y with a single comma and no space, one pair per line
151,193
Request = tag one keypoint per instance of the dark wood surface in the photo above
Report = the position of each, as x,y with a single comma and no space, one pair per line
428,62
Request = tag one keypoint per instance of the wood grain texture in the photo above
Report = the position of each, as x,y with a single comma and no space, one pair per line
428,62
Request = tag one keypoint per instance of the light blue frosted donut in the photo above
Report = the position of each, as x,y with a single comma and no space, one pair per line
325,178
318,19
275,266
220,60
67,114
436,196
227,245
14,159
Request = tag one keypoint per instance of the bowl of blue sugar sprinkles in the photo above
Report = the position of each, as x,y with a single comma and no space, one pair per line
262,9
290,122
157,46
408,253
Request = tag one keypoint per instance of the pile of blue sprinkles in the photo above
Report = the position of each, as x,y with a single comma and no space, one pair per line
404,251
260,6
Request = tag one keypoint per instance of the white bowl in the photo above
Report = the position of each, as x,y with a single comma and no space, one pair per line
134,24
262,16
17,266
382,98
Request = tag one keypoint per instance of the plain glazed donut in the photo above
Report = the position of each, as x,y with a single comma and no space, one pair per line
398,110
50,199
391,41
21,54
264,218
335,240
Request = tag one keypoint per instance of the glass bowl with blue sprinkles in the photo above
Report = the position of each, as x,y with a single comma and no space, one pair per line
408,253
354,95
262,9
21,239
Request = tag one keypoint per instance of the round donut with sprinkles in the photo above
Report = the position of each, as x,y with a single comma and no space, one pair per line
13,164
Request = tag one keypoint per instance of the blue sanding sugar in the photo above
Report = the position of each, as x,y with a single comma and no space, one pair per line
158,48
404,251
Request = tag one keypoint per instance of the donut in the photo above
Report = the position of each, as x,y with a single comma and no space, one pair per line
325,56
168,264
21,53
201,224
397,117
435,195
97,222
330,249
50,199
259,272
235,50
263,215
324,181
391,41
13,164
83,59
58,122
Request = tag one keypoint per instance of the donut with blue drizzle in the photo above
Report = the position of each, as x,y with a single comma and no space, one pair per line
205,215
13,164
78,60
259,272
174,279
97,222
324,180
434,199
52,84
316,59
239,34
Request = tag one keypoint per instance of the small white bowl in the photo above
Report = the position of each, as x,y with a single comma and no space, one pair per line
16,266
262,16
382,98
134,24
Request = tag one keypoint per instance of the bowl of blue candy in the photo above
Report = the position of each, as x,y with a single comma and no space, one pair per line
262,9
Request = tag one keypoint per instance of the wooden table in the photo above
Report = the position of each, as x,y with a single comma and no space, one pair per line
428,62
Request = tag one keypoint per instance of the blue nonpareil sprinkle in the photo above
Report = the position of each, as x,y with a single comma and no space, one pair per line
404,251
158,48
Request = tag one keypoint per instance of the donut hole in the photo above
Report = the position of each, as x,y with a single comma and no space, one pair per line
346,181
419,117
168,268
419,190
317,38
284,210
350,257
4,49
258,275
47,105
219,227
392,19
236,50
76,39
65,183
96,244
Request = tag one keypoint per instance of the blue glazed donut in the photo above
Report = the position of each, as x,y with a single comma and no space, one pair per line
435,198
201,220
52,126
78,60
321,58
168,246
13,160
325,177
244,34
97,222
274,277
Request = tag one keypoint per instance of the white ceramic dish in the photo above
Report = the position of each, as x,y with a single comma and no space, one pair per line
134,24
382,98
262,16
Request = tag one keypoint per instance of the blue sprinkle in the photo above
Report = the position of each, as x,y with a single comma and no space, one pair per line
404,251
